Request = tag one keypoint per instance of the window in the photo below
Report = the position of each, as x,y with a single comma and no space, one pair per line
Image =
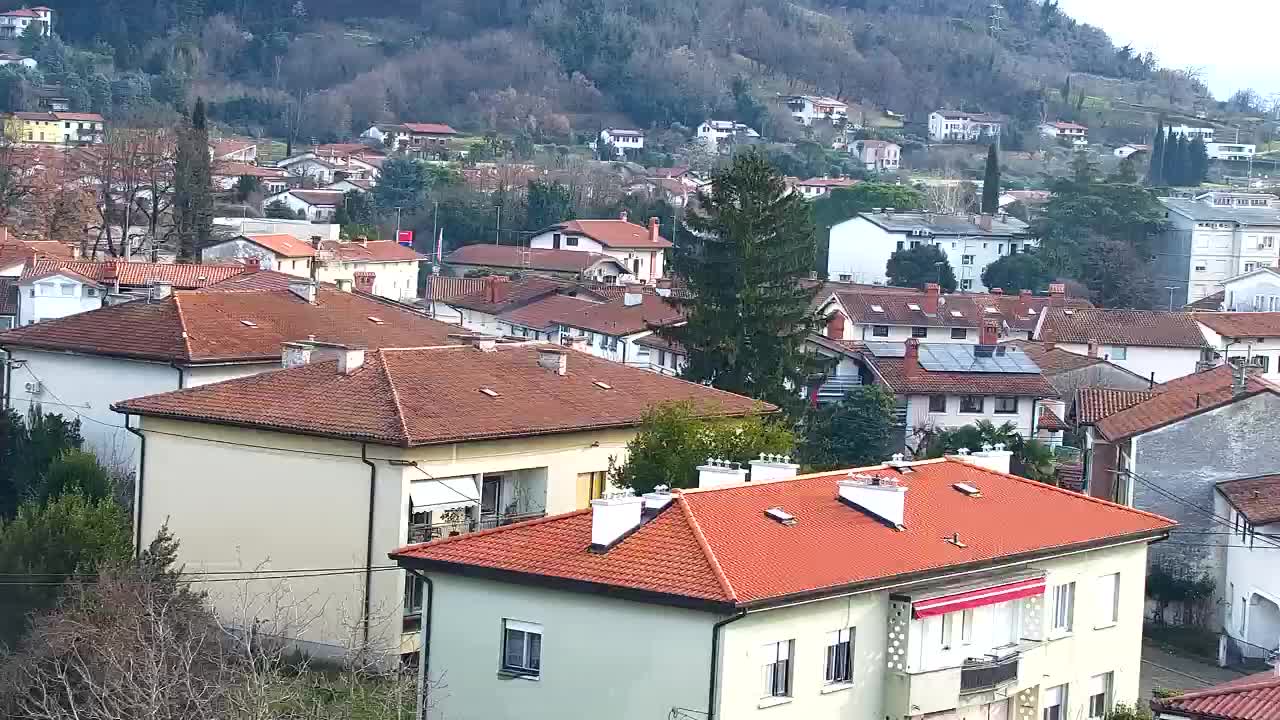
966,627
971,403
966,259
846,278
900,244
412,594
839,656
1201,267
1054,702
1006,405
937,403
1263,362
959,333
1119,352
522,648
919,332
1099,696
91,292
1108,594
999,248
947,627
776,669
966,284
880,330
1064,600
1267,242
571,242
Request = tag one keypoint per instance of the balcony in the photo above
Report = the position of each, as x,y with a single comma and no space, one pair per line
448,527
983,675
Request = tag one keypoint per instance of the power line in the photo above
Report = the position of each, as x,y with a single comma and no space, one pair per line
1225,522
71,580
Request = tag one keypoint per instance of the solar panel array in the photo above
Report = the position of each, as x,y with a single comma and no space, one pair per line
955,357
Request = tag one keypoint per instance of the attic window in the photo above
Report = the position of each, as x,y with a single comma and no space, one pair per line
1068,312
1031,311
992,310
913,306
956,313
375,320
877,308
489,392
602,385
782,516
968,489
248,323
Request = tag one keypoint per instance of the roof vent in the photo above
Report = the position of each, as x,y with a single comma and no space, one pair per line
602,385
248,323
881,497
968,489
782,516
375,320
913,306
489,391
956,313
877,308
954,540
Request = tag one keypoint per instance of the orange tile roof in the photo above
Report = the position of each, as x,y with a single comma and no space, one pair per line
401,397
429,129
1095,403
79,117
1257,498
718,546
371,251
545,259
1179,399
228,168
180,275
615,233
618,319
1241,324
1255,697
1122,327
283,245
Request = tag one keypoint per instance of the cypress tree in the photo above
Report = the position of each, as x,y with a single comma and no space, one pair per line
1172,160
1199,162
991,182
1155,170
193,187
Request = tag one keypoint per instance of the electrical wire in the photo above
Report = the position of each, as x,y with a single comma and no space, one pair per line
75,580
1225,522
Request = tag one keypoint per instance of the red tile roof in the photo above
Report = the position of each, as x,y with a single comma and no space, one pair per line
1179,399
1257,498
180,275
719,546
1256,697
544,313
1055,360
228,168
79,117
207,325
1049,420
925,382
615,233
1017,311
1208,302
1095,403
829,182
617,319
371,251
1241,324
401,397
283,245
1122,327
429,129
445,288
545,259
229,146
515,293
318,197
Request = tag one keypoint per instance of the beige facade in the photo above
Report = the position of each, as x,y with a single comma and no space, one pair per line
392,280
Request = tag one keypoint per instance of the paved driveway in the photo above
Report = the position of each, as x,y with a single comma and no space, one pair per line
1163,669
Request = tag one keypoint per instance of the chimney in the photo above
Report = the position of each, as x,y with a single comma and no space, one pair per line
251,264
835,325
484,343
294,355
344,285
305,289
315,241
1093,349
720,473
623,216
613,517
75,249
992,457
111,276
880,497
653,230
1057,295
990,332
496,288
997,291
161,290
932,292
984,221
554,359
363,281
767,468
911,358
1239,378
658,499
350,359
632,296
578,342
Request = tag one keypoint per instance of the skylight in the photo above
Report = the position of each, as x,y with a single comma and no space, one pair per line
956,313
602,385
913,306
1068,312
781,516
375,320
992,310
968,489
248,323
489,392
1031,311
877,308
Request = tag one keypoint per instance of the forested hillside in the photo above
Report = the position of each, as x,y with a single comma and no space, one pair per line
551,67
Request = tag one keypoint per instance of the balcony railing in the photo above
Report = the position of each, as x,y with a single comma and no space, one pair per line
423,532
981,675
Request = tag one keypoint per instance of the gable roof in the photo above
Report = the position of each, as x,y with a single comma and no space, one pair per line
371,251
1095,403
616,318
1211,303
207,326
903,380
282,244
1180,399
1055,360
401,397
180,275
1255,697
545,259
48,272
317,197
614,233
1242,324
429,128
1257,498
1148,328
718,546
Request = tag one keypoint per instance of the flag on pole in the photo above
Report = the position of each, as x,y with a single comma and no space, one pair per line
440,247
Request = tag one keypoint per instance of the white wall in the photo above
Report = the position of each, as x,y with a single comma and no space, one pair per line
1247,570
1243,295
601,657
652,262
1167,363
1249,348
50,304
918,415
392,280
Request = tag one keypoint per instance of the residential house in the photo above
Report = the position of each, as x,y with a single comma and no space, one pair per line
1231,151
1252,697
977,601
50,292
656,353
807,108
1250,535
860,247
347,185
878,155
817,187
1073,133
641,249
381,448
477,303
1245,338
1191,133
713,132
1068,372
321,171
234,150
14,59
227,174
1165,450
1255,291
54,128
1236,198
611,329
1156,345
1125,151
14,23
313,205
272,251
232,329
623,139
428,136
568,264
957,126
378,267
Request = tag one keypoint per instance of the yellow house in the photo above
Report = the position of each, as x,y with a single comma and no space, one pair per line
53,128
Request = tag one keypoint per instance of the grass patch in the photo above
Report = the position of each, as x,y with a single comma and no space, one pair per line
1196,642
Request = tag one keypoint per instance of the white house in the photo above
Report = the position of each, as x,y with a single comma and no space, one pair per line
860,247
623,139
1074,133
378,267
1152,344
1255,291
807,108
1233,151
817,187
315,205
1251,607
641,249
15,22
1245,338
226,175
364,451
977,601
273,251
411,136
1125,151
12,59
957,126
57,292
1211,239
714,131
878,155
308,165
1191,133
1237,198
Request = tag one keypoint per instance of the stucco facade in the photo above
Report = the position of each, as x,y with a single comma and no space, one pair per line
56,296
1250,586
1166,363
646,265
392,280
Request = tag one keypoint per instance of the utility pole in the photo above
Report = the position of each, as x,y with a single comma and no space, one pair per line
435,224
1171,288
398,223
497,230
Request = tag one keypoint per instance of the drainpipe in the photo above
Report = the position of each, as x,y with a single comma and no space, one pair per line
715,662
424,659
182,378
368,553
141,486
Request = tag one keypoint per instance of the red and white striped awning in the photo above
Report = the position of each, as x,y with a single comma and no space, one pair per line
977,598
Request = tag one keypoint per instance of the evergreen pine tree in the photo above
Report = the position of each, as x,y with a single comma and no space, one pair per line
1199,162
193,187
991,182
1155,171
746,260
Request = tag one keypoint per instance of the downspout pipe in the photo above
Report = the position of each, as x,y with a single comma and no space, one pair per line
140,489
424,655
182,377
368,552
715,662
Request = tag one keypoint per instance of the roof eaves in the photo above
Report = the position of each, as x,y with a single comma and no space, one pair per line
1198,411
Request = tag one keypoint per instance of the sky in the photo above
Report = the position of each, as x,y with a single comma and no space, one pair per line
1227,38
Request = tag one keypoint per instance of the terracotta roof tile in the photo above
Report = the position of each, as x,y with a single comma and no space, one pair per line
544,313
514,293
1179,399
371,251
507,256
1256,697
229,168
1049,420
400,397
1017,311
615,233
318,197
283,245
618,319
1242,324
429,128
180,275
229,146
756,556
893,370
1095,403
447,289
1122,327
1257,498
1055,360
1211,303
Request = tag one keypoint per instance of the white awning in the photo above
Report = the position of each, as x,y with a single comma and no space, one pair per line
443,494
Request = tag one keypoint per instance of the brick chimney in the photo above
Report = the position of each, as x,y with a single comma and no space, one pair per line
835,325
1057,295
653,230
932,292
252,264
363,282
990,332
497,288
911,360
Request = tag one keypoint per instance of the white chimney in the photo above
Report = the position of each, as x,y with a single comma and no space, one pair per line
632,296
161,290
553,359
881,497
350,360
305,289
294,355
720,473
612,517
658,499
992,457
579,343
772,467
344,285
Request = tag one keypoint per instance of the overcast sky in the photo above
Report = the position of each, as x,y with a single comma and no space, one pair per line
1228,38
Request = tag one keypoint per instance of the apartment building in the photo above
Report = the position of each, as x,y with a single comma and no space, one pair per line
1208,242
977,603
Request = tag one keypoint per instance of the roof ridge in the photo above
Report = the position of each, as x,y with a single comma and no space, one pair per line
395,398
705,546
182,323
1228,688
